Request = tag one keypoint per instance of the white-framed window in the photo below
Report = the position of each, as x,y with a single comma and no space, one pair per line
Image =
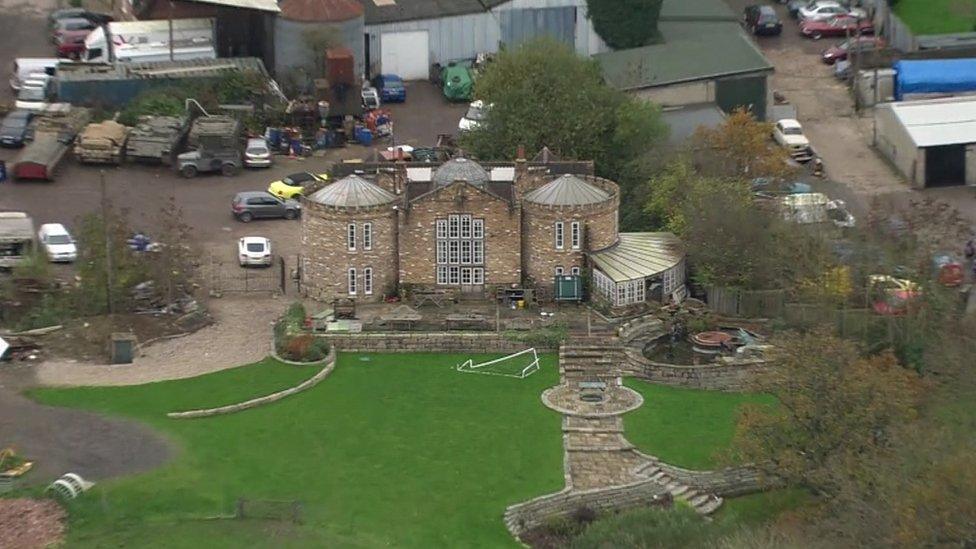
368,281
351,282
441,252
367,236
460,241
454,249
559,271
559,235
574,234
575,271
478,252
453,226
478,276
351,237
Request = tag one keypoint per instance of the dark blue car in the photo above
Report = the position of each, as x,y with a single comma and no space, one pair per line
391,88
13,130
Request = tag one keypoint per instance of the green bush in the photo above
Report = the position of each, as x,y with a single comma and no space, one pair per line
168,102
651,529
550,336
50,310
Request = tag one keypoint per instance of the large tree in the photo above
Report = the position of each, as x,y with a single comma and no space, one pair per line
543,94
625,23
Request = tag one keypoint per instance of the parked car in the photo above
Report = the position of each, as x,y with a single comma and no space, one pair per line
839,51
257,154
57,243
788,133
458,82
71,25
843,25
261,205
825,9
71,44
765,187
762,20
473,117
391,88
295,185
254,250
225,161
77,13
32,98
13,130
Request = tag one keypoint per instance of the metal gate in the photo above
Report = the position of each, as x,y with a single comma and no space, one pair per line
231,277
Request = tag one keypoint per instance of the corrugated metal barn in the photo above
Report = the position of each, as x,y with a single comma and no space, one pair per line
408,36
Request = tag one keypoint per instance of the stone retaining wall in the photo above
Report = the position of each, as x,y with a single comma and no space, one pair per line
730,482
433,342
716,377
533,513
328,362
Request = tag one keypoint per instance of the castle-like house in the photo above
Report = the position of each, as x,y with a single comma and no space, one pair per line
475,227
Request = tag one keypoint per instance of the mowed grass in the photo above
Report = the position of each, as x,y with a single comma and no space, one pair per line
937,16
685,427
390,450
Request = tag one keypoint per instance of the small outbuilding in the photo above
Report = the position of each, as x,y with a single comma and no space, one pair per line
931,142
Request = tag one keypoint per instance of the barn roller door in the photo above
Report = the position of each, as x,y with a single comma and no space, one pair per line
748,92
522,25
406,54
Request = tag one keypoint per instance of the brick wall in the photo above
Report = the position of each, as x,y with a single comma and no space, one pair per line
503,261
327,258
434,342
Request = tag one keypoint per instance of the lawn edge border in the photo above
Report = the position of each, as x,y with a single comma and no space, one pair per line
329,365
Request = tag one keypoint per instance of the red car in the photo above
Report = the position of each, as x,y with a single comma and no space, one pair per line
71,43
843,25
864,44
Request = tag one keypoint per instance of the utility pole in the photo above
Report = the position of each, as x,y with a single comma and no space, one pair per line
108,246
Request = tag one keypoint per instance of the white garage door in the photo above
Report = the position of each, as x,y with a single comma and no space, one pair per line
405,54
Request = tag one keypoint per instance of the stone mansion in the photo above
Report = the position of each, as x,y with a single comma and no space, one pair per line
473,227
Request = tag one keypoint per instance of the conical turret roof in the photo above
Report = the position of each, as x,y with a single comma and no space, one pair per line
352,192
567,190
461,169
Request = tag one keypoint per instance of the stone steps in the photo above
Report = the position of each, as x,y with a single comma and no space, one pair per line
703,503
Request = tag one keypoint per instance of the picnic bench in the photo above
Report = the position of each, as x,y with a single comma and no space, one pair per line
436,297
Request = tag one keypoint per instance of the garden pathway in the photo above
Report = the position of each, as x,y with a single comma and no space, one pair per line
241,334
598,455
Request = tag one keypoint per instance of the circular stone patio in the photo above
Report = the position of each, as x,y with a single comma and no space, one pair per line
571,400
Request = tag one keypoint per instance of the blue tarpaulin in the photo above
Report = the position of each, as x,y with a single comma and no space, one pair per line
935,76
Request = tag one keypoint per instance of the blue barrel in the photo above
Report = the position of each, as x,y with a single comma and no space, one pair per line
274,138
364,136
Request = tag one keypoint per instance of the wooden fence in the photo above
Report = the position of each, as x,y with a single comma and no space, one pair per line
747,303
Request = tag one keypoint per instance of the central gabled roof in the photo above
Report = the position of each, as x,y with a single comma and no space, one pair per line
567,190
352,192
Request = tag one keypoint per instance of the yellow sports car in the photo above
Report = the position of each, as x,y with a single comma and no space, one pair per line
294,185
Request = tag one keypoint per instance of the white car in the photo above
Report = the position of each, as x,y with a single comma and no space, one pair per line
254,250
472,119
57,243
821,10
31,98
788,133
257,154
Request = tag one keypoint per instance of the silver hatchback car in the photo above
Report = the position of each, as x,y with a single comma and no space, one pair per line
257,154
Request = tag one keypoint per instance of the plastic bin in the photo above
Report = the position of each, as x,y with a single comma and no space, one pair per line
364,136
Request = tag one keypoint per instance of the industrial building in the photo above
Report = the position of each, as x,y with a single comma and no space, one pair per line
703,57
931,142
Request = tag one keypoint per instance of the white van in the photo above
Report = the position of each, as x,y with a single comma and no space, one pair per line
25,66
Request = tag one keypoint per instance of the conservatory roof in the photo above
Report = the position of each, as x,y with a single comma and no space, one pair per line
639,255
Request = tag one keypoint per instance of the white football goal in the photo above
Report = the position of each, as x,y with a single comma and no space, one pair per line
518,365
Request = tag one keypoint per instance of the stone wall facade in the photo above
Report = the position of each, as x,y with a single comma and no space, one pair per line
525,516
502,239
598,230
326,263
434,342
734,377
729,482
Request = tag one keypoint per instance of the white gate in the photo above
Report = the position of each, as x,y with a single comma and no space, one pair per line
406,54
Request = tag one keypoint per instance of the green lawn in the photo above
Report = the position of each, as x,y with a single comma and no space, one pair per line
390,450
685,427
937,16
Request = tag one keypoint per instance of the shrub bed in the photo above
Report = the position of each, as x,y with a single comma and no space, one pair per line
291,340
